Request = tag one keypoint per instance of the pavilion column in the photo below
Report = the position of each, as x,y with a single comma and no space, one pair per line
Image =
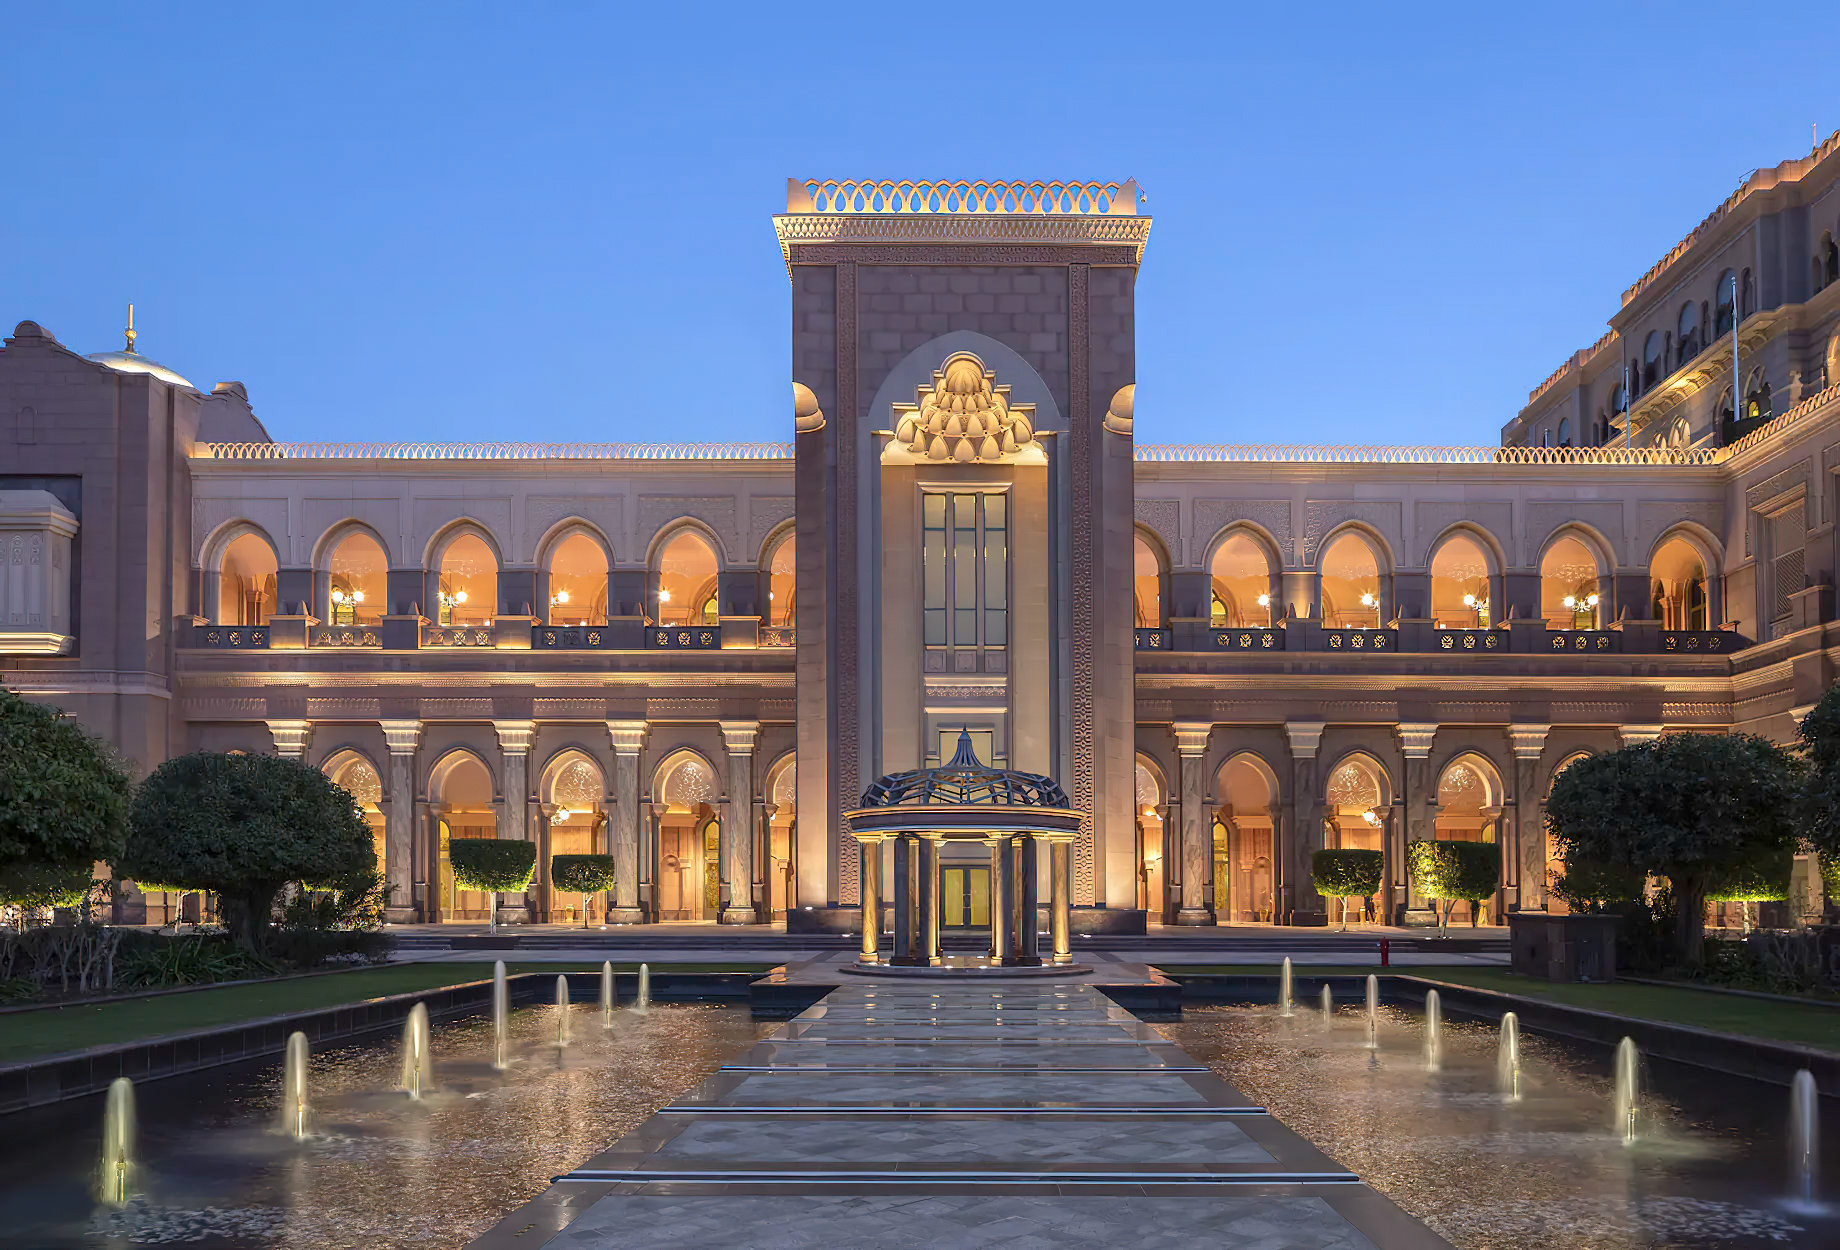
871,849
1028,932
1197,842
737,830
626,820
403,736
906,928
1002,900
930,899
1060,895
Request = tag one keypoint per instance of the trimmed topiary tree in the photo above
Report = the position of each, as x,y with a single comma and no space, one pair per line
1447,872
1687,807
494,865
243,827
31,887
1763,880
583,875
1593,888
1346,873
63,795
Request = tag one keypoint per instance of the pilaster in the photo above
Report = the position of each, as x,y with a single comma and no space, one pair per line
514,739
1524,860
627,820
1197,842
1415,740
291,738
737,831
1305,905
406,884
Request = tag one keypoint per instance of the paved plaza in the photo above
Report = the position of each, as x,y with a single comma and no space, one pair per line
1010,1112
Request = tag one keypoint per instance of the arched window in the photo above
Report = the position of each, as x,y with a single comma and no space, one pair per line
357,576
1679,436
1350,575
1355,805
1241,575
575,792
1469,806
1565,431
1832,258
1460,583
460,791
686,581
246,582
1147,574
782,569
1688,332
1722,296
577,582
1747,296
1756,397
1654,354
1568,585
358,778
1244,827
468,593
1677,585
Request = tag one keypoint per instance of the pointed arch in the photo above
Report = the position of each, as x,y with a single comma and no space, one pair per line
665,785
1149,578
1245,576
445,764
1464,564
1576,563
569,774
351,574
779,575
574,560
339,531
444,537
1354,575
684,566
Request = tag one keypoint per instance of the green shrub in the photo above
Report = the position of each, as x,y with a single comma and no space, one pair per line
19,990
191,961
1346,873
581,874
496,865
1591,887
63,795
333,921
1452,871
30,885
1761,880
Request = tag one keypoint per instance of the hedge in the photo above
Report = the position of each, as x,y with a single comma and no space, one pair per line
1470,871
1764,880
1830,877
1587,885
1347,873
496,865
44,885
581,874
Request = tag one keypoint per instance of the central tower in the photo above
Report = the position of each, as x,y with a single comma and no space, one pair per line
963,356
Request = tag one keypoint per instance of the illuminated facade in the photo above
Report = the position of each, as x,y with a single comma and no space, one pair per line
697,657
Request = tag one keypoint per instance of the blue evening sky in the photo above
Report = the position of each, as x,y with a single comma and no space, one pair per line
1375,223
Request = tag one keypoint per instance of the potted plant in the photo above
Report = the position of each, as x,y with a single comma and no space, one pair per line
1346,873
583,875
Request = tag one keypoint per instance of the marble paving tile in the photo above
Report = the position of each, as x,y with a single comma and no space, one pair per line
942,1088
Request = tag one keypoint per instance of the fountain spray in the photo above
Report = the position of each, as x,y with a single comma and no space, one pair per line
1804,1138
1628,1089
1373,1012
1508,1057
1434,1031
1284,987
610,996
1328,1008
117,1171
643,1003
562,1011
294,1087
417,1064
501,1012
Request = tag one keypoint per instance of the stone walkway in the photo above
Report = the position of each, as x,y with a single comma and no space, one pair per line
939,1114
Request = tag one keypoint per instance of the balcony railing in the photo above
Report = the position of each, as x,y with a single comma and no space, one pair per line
1152,639
1268,638
683,637
1470,640
231,637
571,637
484,636
1582,641
1418,638
345,636
1360,639
777,636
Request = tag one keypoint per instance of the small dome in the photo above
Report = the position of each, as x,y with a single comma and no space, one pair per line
965,780
134,362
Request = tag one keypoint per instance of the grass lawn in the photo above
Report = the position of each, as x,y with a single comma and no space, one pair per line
26,1034
1806,1025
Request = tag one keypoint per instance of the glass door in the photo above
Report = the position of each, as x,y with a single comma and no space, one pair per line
966,898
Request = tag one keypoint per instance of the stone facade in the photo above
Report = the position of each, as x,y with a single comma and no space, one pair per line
696,658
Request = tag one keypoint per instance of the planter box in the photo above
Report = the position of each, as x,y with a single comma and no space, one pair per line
1562,948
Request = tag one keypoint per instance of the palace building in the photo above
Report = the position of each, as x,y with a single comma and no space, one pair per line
697,658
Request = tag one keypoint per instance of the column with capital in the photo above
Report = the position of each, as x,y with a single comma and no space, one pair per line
1197,833
1420,794
737,832
871,850
1002,901
1523,861
403,737
1060,897
1306,827
626,820
514,739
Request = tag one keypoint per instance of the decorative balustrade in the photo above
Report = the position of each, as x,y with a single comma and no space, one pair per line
1278,453
1360,640
459,635
494,451
960,196
1582,641
230,637
1469,641
345,636
1268,638
1151,639
571,637
683,637
1421,638
1701,641
777,636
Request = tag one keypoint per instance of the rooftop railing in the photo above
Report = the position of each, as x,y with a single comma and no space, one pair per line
495,451
960,196
1270,453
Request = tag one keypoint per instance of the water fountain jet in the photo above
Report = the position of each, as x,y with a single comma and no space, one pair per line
294,1087
562,1011
417,1064
1373,1012
501,1011
610,996
1628,1090
643,1003
1804,1139
1284,987
1508,1057
1434,1031
1328,1008
117,1171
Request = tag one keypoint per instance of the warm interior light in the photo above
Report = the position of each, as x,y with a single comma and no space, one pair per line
563,813
664,596
1367,599
460,597
1371,816
1571,601
338,596
1264,601
1590,601
357,596
562,596
1469,601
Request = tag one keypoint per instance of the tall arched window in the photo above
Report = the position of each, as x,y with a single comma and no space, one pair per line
1460,583
1756,397
686,581
1350,584
246,582
1722,297
1747,296
1568,585
357,576
1677,585
1147,575
1654,353
1688,332
1245,828
1565,431
358,778
460,792
577,582
1679,436
1469,807
1241,575
1354,805
782,570
468,592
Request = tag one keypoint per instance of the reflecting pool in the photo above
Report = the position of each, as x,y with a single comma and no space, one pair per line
214,1169
1447,1140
